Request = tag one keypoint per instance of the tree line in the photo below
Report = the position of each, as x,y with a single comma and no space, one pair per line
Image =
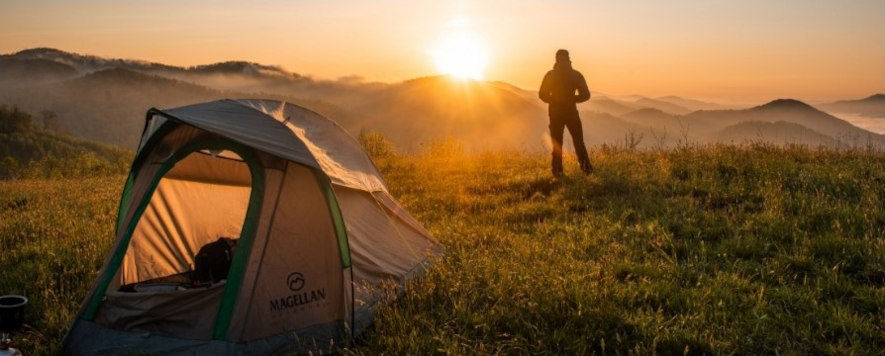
34,147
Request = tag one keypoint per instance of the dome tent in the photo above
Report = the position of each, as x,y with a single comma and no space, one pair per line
312,237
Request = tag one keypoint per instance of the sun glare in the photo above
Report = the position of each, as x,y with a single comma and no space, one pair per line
460,54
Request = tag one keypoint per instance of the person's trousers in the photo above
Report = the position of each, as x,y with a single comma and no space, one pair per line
558,123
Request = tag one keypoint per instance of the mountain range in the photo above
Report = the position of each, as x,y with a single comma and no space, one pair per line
105,99
872,106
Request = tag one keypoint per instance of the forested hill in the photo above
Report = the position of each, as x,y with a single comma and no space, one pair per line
33,147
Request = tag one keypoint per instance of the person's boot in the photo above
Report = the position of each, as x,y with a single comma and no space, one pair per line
557,166
586,167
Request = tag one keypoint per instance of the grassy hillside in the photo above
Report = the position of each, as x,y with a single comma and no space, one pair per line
721,250
54,236
715,250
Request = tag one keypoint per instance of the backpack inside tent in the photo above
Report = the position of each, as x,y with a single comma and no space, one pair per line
247,226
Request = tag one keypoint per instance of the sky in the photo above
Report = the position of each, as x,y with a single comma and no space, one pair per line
729,51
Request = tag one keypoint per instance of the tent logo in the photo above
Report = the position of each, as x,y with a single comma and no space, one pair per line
295,281
299,299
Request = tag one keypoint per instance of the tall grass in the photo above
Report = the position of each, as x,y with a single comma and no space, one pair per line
54,236
712,250
696,250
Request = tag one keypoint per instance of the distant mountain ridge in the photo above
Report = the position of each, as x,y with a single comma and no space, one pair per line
778,132
241,67
662,105
109,105
781,121
90,63
872,106
105,99
34,71
795,111
692,104
237,76
670,104
83,63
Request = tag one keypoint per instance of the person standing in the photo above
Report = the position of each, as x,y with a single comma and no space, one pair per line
563,88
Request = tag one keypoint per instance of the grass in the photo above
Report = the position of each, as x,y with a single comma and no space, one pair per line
696,250
54,236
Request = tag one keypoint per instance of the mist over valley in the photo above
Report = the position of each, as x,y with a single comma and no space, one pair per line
105,99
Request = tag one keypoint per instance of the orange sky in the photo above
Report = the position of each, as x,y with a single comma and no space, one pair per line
726,50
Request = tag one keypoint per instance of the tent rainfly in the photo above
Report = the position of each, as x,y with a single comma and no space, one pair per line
247,227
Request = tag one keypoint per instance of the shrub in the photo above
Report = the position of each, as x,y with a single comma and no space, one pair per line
376,145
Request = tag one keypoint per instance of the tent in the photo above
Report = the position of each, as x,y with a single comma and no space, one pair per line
313,240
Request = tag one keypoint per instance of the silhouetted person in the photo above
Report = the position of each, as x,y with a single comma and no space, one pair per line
563,88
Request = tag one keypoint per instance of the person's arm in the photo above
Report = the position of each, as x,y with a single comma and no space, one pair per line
583,91
544,92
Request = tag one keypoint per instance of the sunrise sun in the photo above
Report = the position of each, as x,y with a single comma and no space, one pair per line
460,54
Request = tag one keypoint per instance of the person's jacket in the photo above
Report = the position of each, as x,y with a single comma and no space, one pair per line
559,87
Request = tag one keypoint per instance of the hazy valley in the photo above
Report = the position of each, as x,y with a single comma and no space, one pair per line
105,100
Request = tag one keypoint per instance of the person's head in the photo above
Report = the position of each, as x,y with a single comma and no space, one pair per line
562,56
